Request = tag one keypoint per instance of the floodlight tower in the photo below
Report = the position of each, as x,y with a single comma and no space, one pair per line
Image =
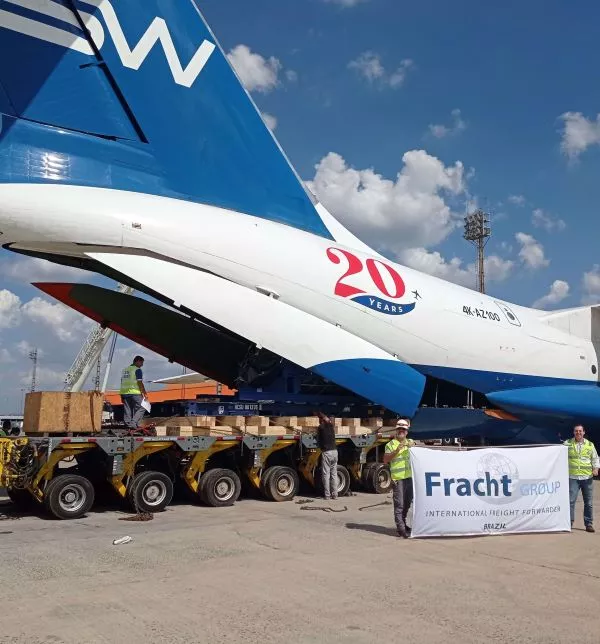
478,232
33,356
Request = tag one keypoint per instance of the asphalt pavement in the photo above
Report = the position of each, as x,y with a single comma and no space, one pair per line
273,572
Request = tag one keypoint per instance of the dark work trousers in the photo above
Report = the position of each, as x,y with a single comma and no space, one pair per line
403,497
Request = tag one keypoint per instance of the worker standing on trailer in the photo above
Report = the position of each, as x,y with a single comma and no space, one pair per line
133,393
329,457
583,466
398,456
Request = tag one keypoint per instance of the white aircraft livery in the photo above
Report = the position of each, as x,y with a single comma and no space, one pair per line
129,147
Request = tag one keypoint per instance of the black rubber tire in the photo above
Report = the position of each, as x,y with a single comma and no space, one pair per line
150,492
365,477
344,480
380,478
220,487
447,441
265,490
21,498
283,483
69,496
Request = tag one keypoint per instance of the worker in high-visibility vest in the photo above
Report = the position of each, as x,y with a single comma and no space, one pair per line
133,393
398,457
583,466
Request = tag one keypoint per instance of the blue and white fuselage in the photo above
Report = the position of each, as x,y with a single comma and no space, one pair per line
124,160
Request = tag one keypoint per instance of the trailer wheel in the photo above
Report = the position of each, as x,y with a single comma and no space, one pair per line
69,496
150,492
365,477
282,483
265,489
343,480
220,487
380,478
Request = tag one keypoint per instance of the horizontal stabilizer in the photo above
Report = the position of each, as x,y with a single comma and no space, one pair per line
301,338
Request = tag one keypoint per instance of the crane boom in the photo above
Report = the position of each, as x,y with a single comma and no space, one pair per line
90,352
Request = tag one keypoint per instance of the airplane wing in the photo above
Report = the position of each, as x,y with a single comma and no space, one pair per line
301,338
185,379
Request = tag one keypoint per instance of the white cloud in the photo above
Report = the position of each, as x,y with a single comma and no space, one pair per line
497,269
408,212
63,321
557,293
398,77
345,3
369,66
579,133
541,219
255,72
270,120
33,269
517,200
532,252
291,75
45,378
457,126
591,286
6,357
10,309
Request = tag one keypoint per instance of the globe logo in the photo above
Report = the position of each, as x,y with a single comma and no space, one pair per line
499,465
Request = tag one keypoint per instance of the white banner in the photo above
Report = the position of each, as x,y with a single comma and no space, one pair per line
490,491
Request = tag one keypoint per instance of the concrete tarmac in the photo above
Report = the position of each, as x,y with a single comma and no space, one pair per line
268,572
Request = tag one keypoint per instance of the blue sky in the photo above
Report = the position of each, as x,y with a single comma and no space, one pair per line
466,100
512,68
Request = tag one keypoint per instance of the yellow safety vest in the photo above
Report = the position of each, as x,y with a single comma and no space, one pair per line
580,463
400,466
129,384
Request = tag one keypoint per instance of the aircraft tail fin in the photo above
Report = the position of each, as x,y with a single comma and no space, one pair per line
137,95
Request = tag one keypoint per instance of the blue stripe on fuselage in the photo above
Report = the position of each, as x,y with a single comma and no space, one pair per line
487,381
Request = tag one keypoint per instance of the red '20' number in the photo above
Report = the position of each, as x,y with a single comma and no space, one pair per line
380,284
355,267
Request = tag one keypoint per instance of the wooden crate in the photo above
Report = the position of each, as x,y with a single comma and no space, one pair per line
202,431
308,421
257,421
272,430
285,421
59,412
351,422
179,421
231,421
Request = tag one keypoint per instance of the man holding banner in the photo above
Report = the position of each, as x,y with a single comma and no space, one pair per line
583,466
398,456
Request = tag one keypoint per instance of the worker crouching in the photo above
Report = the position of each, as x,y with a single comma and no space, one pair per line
398,456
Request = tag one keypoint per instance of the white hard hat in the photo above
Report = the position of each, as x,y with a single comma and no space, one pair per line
402,423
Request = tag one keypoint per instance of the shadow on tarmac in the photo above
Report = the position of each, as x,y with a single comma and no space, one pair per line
377,529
